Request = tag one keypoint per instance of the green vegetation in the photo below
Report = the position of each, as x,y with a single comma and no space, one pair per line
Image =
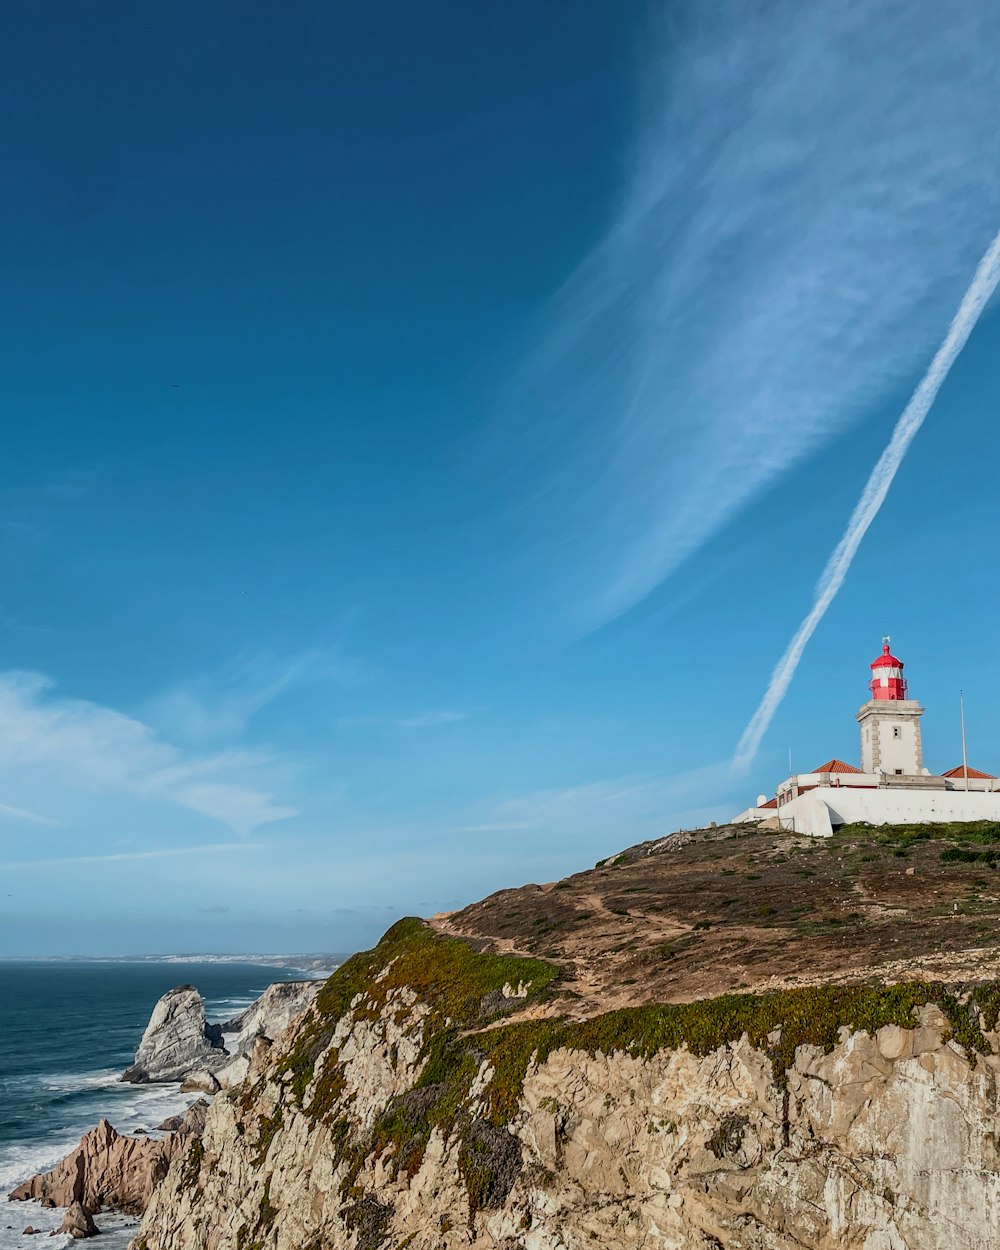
191,1167
461,987
963,855
267,1126
463,991
979,832
464,1034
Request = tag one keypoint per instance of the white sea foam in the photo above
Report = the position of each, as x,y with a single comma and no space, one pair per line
128,1107
18,1162
71,1082
117,1230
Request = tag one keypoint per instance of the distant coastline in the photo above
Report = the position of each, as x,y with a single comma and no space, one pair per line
312,964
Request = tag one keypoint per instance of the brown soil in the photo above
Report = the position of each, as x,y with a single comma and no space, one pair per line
711,911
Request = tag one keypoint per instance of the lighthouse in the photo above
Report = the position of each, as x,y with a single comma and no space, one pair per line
892,786
890,722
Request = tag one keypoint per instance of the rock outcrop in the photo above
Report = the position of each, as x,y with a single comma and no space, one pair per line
264,1021
108,1169
179,1045
78,1223
419,1103
177,1040
192,1121
201,1082
273,1012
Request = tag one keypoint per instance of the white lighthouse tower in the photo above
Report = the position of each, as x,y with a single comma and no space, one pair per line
890,722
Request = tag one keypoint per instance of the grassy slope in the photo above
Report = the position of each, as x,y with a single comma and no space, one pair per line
735,902
466,1027
699,914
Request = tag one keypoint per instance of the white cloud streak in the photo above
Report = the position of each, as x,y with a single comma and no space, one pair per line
983,285
48,741
33,818
177,852
431,720
810,189
221,707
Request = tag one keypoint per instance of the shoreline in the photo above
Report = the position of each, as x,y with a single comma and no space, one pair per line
50,1111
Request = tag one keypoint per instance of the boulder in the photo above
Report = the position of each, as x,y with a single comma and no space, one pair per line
202,1081
78,1222
177,1040
106,1169
192,1121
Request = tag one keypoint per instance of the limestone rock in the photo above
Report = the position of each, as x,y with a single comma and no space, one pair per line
264,1021
192,1121
107,1169
876,1144
177,1040
201,1081
273,1012
78,1223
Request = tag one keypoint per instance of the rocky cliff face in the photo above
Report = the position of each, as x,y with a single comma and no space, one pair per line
273,1012
263,1021
434,1095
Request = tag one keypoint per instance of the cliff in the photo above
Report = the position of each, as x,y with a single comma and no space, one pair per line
447,1088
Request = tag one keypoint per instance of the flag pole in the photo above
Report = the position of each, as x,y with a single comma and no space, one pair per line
965,758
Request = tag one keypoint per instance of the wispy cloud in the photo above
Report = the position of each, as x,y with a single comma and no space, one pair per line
496,826
429,720
811,187
983,285
221,706
33,818
176,852
616,810
76,743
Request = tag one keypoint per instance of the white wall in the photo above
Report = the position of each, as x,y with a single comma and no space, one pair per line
886,807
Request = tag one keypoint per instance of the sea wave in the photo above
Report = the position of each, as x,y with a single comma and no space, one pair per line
128,1107
77,1082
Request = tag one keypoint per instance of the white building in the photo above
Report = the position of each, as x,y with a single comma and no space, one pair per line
892,786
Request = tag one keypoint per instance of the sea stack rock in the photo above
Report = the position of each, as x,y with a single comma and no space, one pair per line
177,1040
78,1223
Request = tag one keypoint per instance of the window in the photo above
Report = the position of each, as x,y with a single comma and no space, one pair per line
899,772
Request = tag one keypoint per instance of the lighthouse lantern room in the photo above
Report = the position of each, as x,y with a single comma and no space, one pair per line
887,680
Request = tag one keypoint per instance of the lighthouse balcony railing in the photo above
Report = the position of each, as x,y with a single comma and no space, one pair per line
875,685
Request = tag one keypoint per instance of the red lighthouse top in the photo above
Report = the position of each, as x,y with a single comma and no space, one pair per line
887,680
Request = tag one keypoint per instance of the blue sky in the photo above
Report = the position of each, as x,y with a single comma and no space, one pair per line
424,429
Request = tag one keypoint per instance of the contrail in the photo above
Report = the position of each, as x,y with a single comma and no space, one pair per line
984,283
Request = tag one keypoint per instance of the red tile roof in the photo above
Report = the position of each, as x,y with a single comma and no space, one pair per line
959,771
836,766
770,803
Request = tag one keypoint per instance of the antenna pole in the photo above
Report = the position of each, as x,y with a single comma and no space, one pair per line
965,758
789,761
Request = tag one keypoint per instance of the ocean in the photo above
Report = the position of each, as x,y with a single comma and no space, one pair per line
67,1030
